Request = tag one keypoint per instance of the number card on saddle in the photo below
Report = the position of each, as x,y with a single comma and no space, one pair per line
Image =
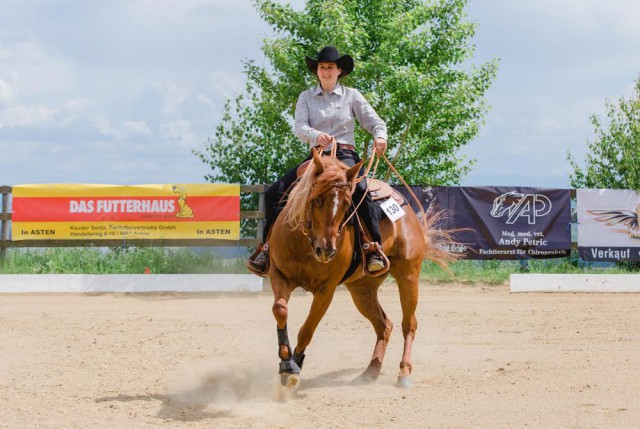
388,199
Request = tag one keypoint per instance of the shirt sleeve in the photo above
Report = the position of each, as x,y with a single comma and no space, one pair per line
367,117
302,129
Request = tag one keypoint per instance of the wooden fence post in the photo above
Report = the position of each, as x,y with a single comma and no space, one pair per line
261,222
4,221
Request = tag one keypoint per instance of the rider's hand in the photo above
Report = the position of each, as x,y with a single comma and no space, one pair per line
324,140
379,145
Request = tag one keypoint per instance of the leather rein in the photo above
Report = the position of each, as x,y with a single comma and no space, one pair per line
373,157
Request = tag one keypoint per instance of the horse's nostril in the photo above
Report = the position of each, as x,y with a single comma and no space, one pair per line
318,251
332,253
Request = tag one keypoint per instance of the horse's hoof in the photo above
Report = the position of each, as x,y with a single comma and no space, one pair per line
405,381
289,380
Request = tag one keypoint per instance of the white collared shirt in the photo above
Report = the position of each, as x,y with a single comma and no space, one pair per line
335,112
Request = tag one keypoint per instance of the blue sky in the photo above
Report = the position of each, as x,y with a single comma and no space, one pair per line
121,91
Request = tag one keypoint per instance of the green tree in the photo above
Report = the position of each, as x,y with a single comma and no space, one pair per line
612,160
412,64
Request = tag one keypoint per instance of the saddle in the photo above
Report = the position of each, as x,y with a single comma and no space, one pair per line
380,190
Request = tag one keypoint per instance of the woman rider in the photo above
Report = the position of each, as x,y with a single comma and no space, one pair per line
326,115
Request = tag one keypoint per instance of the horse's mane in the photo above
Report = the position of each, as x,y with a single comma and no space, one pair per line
311,185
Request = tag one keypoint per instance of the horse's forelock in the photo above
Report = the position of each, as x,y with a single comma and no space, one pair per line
332,175
311,186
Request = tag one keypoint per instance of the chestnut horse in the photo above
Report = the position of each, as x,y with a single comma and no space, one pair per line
312,246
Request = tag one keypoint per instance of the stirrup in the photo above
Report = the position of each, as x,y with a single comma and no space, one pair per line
370,248
375,262
251,262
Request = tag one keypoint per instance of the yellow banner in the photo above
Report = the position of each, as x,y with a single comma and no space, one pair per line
93,212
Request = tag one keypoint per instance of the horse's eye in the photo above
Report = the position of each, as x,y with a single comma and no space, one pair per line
318,201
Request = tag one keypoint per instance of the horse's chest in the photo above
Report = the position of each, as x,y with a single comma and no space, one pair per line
311,281
312,275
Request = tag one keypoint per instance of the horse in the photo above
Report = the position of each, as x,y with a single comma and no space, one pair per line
312,246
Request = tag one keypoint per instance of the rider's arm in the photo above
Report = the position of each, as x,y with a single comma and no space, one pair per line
302,129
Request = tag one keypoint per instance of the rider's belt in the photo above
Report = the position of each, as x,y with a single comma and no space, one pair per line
342,147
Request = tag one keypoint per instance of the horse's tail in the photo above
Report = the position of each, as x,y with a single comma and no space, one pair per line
439,241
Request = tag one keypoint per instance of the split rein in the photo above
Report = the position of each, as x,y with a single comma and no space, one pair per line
374,155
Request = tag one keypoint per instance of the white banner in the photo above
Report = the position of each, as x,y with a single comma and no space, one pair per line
608,224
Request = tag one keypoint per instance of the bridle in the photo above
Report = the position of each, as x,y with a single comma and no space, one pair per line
375,157
307,227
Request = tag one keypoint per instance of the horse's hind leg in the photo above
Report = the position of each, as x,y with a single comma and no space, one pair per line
407,279
364,293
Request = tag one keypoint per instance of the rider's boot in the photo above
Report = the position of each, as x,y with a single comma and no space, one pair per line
377,262
258,262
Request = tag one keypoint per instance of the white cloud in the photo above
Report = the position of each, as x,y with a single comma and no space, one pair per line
225,84
26,116
20,51
589,17
174,129
179,133
206,101
173,97
6,93
136,127
570,17
553,115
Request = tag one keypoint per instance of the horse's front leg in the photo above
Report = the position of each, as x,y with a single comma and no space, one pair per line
288,367
290,363
319,306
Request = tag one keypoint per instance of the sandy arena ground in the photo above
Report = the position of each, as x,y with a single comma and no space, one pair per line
483,358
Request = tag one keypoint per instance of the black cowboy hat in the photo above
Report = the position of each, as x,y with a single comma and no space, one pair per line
329,54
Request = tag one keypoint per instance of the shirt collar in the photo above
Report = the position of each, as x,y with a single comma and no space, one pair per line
337,90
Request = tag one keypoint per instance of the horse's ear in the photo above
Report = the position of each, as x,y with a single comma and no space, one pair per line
317,161
352,173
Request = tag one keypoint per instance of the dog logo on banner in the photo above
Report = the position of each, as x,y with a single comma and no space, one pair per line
516,205
615,218
185,210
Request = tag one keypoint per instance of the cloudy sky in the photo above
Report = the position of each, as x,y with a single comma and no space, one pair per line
121,91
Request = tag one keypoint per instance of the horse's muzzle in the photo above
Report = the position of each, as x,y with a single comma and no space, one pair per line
325,253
